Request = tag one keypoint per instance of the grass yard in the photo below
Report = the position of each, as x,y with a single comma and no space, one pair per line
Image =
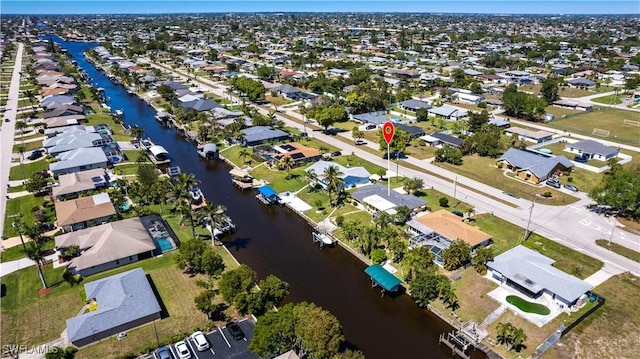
24,205
349,160
126,168
608,119
119,133
433,201
483,169
15,189
507,235
609,100
610,332
277,100
621,250
29,169
17,252
471,290
535,335
28,146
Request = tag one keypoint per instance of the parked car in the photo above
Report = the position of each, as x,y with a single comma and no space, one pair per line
571,187
163,353
370,127
360,141
235,330
394,155
200,341
35,155
183,350
47,226
553,183
336,154
458,213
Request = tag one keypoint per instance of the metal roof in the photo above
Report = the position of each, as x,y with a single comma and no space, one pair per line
385,279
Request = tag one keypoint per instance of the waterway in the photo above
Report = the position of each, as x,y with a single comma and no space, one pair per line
274,240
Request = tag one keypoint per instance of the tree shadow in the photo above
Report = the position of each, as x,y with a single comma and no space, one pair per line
237,243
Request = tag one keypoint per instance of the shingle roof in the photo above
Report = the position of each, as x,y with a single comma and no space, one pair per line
262,133
84,209
320,166
121,298
414,104
201,105
107,242
448,139
370,118
450,226
539,165
535,272
593,147
447,111
79,181
70,141
398,199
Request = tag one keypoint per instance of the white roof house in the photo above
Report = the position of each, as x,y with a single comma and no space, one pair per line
534,274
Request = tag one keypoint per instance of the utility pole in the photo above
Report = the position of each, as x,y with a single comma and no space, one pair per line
18,227
612,229
455,187
526,232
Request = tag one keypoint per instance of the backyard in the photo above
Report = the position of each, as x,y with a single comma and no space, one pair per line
611,331
16,171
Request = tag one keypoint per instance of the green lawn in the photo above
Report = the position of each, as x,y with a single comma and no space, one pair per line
15,189
621,250
610,331
609,100
29,169
17,252
526,306
602,118
28,146
507,235
126,168
483,169
25,206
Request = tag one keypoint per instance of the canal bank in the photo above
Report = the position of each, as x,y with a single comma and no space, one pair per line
274,240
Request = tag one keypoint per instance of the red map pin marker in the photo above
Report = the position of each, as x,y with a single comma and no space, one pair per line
387,131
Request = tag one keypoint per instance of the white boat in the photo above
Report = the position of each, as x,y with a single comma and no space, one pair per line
323,238
119,113
196,196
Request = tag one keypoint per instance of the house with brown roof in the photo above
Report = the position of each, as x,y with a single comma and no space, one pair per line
71,184
440,229
300,153
84,212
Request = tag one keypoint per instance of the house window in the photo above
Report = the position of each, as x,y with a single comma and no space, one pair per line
130,258
117,262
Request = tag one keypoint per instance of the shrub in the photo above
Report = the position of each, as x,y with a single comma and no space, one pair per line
339,220
569,179
547,194
378,255
444,202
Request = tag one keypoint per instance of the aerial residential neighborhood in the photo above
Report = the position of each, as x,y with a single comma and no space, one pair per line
319,180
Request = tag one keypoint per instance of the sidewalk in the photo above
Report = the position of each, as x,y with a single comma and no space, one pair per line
13,266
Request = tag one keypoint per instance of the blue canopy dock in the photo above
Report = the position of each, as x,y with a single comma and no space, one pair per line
267,195
381,277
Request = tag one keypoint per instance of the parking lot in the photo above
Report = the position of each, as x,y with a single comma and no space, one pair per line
222,344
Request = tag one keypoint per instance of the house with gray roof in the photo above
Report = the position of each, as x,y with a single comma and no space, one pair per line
533,274
574,105
72,183
285,90
50,132
524,134
590,149
260,134
64,111
580,82
531,166
124,301
352,176
413,105
200,105
70,141
56,101
376,198
81,159
371,118
447,112
107,246
442,139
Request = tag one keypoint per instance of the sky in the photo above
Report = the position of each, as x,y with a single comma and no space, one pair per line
411,6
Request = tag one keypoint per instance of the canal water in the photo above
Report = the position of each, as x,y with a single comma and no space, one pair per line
273,240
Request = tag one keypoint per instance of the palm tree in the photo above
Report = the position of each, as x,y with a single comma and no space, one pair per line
518,337
287,163
243,154
413,185
333,179
136,133
351,229
470,212
187,180
160,191
212,213
505,333
382,220
312,177
31,95
35,252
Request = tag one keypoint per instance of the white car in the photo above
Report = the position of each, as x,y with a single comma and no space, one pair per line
183,350
200,341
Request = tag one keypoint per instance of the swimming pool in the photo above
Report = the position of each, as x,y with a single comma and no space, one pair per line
395,118
125,206
115,159
163,244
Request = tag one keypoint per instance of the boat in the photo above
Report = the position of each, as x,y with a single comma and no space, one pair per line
174,171
197,198
224,224
323,238
119,113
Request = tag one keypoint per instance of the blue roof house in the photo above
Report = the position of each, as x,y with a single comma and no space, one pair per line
352,176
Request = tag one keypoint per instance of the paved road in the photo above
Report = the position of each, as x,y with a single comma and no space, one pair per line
621,96
572,225
8,132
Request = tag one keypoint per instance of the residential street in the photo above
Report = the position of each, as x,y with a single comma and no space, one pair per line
8,132
571,225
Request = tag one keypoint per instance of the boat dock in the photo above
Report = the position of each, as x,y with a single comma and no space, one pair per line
324,239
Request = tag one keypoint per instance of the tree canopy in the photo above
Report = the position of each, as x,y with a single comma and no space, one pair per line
195,256
620,189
